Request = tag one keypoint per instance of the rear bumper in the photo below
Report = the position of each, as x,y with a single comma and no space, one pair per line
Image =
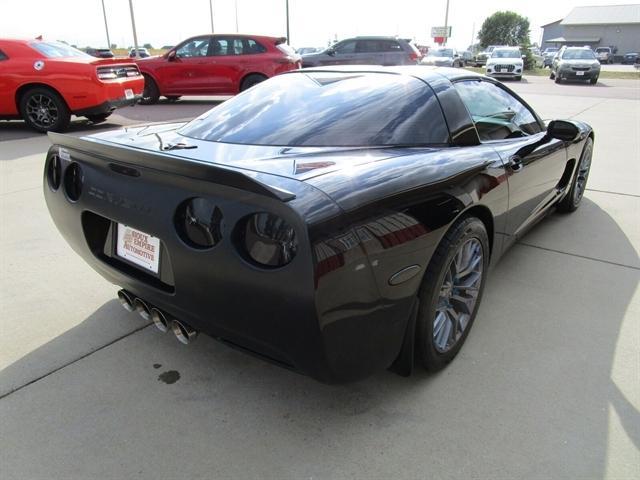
332,324
108,106
573,75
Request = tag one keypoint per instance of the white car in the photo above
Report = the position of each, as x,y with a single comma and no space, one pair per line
505,62
443,57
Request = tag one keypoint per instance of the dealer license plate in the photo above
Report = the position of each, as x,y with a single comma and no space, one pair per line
579,73
138,247
503,70
128,94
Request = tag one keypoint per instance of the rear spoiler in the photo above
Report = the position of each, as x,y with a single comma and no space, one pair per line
164,162
281,40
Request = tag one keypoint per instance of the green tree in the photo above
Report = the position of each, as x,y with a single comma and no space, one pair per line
504,28
147,45
507,28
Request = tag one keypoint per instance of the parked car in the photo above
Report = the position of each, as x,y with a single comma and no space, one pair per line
215,65
604,54
142,53
99,52
630,58
467,58
481,58
327,220
505,62
547,56
366,51
44,83
575,63
443,57
308,50
538,59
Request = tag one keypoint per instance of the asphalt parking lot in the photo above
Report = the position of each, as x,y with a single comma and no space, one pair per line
546,386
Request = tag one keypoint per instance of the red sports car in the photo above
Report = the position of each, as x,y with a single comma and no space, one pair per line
46,82
215,65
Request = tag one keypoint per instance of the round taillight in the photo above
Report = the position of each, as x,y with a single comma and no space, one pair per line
267,239
73,181
199,223
54,172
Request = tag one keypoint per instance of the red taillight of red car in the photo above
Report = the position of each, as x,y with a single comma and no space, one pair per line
112,72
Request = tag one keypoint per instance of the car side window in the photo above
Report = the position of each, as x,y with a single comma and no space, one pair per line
250,47
3,56
367,46
390,46
196,47
346,47
496,113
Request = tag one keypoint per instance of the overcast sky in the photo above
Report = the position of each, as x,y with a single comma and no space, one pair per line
312,22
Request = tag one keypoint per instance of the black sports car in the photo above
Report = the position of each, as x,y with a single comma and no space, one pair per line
329,220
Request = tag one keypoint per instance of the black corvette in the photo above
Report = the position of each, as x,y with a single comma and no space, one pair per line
335,221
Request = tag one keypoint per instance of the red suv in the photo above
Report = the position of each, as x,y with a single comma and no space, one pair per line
215,65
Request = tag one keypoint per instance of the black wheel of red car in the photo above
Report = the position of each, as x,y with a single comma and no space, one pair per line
98,118
44,110
151,93
571,201
451,291
251,80
173,98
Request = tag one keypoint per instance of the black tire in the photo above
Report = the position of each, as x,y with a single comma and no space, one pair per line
463,231
518,79
573,198
98,118
593,81
557,79
151,93
173,98
251,80
551,74
44,110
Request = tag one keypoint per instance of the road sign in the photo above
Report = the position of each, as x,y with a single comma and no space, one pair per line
441,32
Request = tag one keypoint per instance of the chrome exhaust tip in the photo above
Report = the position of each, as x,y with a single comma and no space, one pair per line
142,308
183,332
160,320
126,300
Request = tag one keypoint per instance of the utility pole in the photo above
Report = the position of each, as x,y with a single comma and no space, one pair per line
288,37
236,6
473,35
446,24
106,27
133,26
211,13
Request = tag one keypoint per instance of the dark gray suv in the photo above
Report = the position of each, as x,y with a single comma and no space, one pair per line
365,51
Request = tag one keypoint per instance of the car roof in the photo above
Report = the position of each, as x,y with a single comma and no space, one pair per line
425,73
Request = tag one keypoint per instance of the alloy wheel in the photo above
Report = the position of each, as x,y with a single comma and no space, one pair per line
458,295
42,111
582,176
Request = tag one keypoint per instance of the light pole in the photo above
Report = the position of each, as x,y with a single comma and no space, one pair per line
211,13
446,24
287,8
236,7
133,26
106,27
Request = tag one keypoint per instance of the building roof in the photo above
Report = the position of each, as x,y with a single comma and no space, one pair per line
604,14
551,23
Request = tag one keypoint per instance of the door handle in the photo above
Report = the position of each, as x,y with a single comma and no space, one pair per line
515,163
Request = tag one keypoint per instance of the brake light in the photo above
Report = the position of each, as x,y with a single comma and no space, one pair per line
117,71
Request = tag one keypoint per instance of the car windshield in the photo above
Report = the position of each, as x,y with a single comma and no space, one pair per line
511,53
602,50
445,52
327,109
581,54
57,50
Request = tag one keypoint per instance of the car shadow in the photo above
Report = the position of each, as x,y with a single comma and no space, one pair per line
526,386
18,129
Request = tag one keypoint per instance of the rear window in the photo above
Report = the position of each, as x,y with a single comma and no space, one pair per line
286,49
327,109
57,50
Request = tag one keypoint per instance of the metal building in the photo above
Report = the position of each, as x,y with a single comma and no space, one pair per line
616,26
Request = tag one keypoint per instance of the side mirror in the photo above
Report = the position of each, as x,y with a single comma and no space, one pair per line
330,51
171,56
563,130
